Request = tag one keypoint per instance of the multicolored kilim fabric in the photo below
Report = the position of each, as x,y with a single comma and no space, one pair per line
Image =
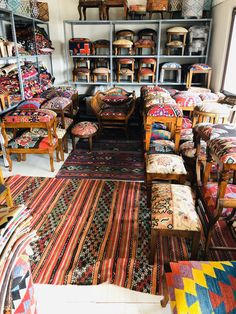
94,231
202,287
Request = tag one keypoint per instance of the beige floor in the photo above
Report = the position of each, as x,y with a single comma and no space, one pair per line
105,298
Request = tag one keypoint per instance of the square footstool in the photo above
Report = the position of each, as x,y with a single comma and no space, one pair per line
173,214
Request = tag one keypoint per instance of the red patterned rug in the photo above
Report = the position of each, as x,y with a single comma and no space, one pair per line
95,231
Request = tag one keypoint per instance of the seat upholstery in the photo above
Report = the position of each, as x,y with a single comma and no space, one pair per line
84,128
161,147
30,140
173,207
165,110
165,164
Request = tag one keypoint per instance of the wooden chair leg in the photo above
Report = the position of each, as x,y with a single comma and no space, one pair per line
60,149
65,144
23,157
51,161
73,141
9,200
153,246
90,143
149,190
9,161
195,245
165,300
208,238
19,157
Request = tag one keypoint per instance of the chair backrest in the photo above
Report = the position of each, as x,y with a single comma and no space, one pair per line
202,116
4,101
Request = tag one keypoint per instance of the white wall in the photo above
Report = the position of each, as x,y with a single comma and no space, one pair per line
222,14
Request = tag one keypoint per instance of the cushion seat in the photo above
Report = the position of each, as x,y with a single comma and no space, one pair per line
68,123
177,29
38,115
224,149
200,67
209,131
187,150
125,60
56,103
114,111
186,123
175,43
213,293
165,164
186,135
123,42
171,66
43,132
187,99
126,71
145,71
30,140
82,70
209,192
161,147
173,208
144,42
214,107
84,129
164,110
117,99
101,71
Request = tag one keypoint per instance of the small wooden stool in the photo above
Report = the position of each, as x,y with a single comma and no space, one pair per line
123,43
101,44
199,68
137,11
125,71
81,69
147,71
85,130
87,4
171,66
107,4
173,214
177,32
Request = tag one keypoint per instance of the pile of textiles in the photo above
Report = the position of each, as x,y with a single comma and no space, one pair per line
25,37
36,80
16,293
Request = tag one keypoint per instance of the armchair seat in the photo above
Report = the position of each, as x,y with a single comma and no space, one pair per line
165,110
114,111
224,149
165,164
208,131
209,193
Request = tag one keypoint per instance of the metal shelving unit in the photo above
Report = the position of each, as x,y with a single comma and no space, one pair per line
14,19
72,29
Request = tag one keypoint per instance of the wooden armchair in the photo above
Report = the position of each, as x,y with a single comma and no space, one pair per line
113,108
31,142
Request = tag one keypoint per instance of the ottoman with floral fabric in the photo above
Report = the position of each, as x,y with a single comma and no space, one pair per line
85,130
173,214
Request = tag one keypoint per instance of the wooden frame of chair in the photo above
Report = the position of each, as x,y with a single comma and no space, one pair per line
107,4
51,129
6,194
125,61
169,39
207,72
77,72
83,4
4,101
117,122
153,64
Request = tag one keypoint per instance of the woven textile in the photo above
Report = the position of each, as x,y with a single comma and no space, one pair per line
224,149
175,5
209,131
192,8
165,164
165,110
84,128
202,287
40,115
57,103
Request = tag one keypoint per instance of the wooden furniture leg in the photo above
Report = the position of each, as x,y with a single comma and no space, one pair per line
195,245
84,12
80,12
165,300
209,79
73,141
153,247
90,143
51,161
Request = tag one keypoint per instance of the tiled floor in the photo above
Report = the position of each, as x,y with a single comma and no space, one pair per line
105,298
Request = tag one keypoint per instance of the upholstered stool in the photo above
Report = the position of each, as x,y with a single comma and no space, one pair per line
137,11
174,214
85,4
123,44
85,130
154,6
107,4
128,70
101,45
102,72
81,69
187,293
199,68
171,66
177,32
141,44
149,70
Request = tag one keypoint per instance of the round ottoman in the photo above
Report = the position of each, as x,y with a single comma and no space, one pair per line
85,130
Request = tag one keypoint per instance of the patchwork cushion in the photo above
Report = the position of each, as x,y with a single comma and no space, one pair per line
173,207
165,110
165,164
187,99
177,29
103,42
43,132
171,65
114,111
200,67
29,104
162,147
66,91
57,103
160,134
115,99
80,46
224,149
68,123
144,42
84,128
38,115
49,93
187,150
31,140
210,194
148,89
156,98
201,287
186,123
186,135
121,42
209,131
117,91
101,71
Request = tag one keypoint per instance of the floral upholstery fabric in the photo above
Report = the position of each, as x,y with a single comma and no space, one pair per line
187,99
186,135
29,104
224,149
31,140
49,93
161,147
39,115
148,89
66,91
84,128
208,131
68,123
144,42
187,123
200,67
187,150
210,194
201,287
165,164
171,65
43,132
57,103
156,98
165,110
115,99
114,111
173,208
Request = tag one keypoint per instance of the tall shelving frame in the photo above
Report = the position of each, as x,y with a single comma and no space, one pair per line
160,27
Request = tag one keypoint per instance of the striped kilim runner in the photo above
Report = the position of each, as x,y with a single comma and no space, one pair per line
93,231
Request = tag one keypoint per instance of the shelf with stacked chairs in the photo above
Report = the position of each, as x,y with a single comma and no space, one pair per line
25,43
138,39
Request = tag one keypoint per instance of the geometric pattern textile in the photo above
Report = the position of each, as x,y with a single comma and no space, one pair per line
202,287
224,149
